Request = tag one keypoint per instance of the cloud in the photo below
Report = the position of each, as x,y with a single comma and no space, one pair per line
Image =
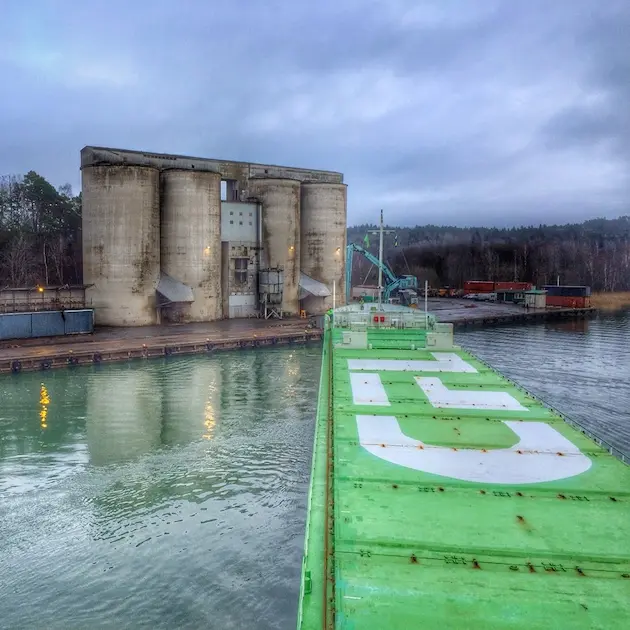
493,112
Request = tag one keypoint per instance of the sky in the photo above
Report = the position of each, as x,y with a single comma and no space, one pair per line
459,112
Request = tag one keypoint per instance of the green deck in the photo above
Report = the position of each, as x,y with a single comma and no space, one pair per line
393,546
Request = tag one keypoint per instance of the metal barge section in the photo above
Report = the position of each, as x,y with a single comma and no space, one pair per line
444,496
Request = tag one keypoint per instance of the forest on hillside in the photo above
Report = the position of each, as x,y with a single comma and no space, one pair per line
39,233
595,253
40,243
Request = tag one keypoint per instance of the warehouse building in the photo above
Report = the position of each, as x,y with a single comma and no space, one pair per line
170,238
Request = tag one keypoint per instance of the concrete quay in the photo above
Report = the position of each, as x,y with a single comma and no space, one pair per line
116,344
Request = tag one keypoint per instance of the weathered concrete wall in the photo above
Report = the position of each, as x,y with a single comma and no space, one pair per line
229,170
121,243
191,239
280,200
323,214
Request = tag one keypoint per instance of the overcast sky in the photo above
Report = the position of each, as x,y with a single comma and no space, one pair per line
467,112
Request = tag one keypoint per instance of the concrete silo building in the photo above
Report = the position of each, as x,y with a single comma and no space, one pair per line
184,239
322,240
121,241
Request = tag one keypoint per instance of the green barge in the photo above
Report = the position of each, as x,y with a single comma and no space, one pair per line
445,496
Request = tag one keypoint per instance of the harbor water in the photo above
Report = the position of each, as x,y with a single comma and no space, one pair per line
157,494
171,493
580,367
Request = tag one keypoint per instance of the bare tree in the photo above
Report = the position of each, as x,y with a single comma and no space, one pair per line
18,259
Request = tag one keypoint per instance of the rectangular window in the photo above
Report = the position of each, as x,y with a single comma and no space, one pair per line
240,270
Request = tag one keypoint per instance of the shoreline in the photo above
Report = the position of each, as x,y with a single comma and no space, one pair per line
123,344
107,345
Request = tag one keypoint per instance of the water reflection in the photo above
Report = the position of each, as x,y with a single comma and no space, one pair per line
191,412
571,325
161,494
124,414
44,401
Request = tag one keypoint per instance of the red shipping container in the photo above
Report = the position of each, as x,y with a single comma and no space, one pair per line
512,286
568,301
478,286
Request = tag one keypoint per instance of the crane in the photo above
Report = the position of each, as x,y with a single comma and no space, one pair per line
393,284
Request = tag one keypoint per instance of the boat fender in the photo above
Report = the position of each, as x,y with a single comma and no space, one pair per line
45,364
97,357
16,366
168,351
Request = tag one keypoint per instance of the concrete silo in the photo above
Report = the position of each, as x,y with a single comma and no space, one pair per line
280,238
121,242
191,241
323,240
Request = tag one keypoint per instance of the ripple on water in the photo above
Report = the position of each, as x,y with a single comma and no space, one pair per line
580,368
181,505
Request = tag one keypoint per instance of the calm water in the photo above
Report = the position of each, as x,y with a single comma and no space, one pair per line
164,494
172,494
582,368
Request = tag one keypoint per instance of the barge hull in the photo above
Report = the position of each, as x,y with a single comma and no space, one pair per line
445,496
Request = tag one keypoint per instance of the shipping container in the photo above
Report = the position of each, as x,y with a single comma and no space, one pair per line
567,301
15,326
512,286
46,324
488,286
567,291
478,286
78,322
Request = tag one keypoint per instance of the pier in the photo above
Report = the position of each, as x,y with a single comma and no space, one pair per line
116,344
463,313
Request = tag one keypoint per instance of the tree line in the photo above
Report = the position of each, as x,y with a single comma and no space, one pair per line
40,243
39,232
594,253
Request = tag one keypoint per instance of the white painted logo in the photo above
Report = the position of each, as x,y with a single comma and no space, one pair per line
541,454
440,396
535,459
367,389
444,362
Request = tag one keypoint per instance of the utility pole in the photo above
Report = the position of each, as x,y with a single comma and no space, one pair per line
380,233
380,260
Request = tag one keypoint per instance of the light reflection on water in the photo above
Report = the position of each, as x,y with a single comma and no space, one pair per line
159,494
